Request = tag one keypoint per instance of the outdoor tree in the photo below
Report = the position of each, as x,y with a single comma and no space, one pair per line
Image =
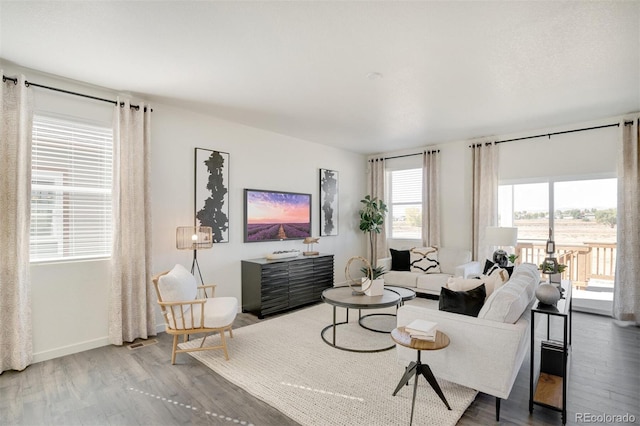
607,217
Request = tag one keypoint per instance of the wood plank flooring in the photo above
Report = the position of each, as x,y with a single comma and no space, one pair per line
118,386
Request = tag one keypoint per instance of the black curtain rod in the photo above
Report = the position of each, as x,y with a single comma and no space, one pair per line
406,155
626,123
68,92
561,133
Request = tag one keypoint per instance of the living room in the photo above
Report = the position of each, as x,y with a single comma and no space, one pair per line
70,308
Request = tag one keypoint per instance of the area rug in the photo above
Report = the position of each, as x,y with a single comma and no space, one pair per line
284,362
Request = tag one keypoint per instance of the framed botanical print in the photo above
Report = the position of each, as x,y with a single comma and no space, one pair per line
328,202
211,196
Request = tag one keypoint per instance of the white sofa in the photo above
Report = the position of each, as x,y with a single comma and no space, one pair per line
453,263
486,352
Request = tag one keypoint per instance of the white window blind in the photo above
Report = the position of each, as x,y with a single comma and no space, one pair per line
406,203
70,189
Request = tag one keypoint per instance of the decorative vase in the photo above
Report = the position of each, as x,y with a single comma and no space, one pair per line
547,294
373,287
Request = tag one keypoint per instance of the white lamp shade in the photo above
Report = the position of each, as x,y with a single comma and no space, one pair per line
501,236
194,237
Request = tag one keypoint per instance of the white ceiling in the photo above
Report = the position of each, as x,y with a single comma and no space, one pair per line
451,70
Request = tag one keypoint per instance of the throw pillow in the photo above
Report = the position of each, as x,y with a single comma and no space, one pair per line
178,286
462,302
424,259
464,284
491,282
489,267
400,260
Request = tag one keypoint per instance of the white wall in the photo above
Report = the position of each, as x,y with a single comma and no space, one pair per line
70,299
258,160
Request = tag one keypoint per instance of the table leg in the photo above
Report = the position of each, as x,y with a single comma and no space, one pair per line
334,325
413,400
409,372
428,374
532,352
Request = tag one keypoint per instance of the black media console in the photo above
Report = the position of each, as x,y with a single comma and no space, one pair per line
273,286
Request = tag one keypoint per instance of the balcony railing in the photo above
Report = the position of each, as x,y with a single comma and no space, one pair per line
584,261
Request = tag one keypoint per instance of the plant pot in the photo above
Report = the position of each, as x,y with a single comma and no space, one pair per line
373,288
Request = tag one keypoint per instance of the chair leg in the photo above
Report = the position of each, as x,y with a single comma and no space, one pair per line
173,351
230,332
224,344
497,409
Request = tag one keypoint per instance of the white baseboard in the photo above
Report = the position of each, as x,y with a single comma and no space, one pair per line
79,347
70,349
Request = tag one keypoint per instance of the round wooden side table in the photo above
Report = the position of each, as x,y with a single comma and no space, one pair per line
401,337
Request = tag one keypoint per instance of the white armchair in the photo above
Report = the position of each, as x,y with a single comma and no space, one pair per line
191,309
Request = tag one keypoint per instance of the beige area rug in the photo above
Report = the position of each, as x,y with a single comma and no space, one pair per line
284,362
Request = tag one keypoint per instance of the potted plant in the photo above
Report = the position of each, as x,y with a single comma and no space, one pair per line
371,222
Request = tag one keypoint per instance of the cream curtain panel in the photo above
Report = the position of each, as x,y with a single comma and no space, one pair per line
132,303
376,188
431,198
485,195
626,295
16,347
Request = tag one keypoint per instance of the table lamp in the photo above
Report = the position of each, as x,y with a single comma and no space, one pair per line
501,237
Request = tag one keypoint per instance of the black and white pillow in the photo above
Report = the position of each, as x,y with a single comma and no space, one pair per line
490,267
425,260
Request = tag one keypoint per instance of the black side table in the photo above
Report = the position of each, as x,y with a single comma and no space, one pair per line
551,389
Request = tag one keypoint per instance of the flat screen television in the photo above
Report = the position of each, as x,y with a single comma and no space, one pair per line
276,215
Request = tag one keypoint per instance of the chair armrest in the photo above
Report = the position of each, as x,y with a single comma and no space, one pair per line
209,286
186,320
467,269
385,263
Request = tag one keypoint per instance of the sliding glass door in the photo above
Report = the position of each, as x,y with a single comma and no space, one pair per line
582,216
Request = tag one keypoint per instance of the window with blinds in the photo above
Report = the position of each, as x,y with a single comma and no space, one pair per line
70,189
405,209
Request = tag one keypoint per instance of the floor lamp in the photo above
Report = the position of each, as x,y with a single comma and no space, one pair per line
194,238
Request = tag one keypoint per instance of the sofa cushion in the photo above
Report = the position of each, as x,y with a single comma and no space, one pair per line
402,278
508,303
462,302
432,282
424,259
400,260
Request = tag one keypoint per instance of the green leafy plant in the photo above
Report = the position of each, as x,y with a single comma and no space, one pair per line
377,272
545,270
513,257
371,221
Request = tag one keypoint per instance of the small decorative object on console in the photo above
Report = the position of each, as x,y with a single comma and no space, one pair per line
283,254
547,294
310,241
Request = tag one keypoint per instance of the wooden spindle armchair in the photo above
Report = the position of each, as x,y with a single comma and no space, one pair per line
191,309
